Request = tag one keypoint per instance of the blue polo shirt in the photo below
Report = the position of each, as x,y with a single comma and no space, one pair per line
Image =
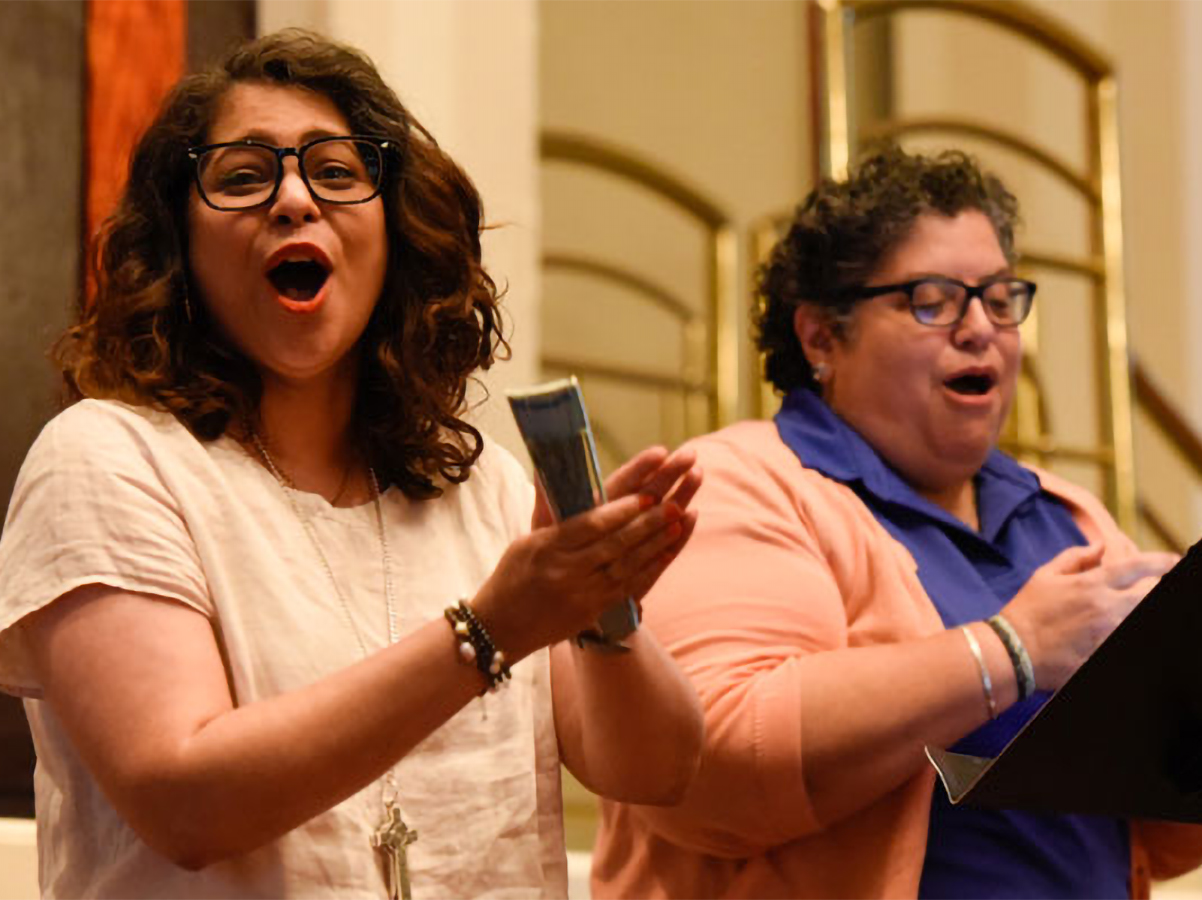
969,576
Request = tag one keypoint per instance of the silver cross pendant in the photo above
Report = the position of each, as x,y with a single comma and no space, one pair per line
391,840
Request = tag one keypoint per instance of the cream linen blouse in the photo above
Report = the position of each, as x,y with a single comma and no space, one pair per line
125,496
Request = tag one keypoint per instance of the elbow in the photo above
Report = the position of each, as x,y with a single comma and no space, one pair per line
183,831
193,861
678,774
187,849
657,775
671,790
647,787
191,847
681,761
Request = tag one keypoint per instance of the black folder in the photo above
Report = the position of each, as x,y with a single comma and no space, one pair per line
1123,737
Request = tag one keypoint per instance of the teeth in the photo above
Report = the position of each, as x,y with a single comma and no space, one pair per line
299,257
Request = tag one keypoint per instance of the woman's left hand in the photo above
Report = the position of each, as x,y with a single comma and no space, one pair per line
557,580
655,473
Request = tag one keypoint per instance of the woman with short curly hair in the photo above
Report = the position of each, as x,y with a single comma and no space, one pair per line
871,575
275,606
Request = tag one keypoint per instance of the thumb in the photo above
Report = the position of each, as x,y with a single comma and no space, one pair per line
543,516
1077,559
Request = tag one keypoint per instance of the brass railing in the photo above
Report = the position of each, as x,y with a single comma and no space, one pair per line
710,334
1172,425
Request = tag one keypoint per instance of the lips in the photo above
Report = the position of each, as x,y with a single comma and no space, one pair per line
298,272
974,382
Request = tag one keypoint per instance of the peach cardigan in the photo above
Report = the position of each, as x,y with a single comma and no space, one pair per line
786,563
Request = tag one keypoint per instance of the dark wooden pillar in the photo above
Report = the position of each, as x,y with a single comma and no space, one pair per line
79,80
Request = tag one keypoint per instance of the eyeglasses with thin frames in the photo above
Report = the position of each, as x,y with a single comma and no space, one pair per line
940,302
241,175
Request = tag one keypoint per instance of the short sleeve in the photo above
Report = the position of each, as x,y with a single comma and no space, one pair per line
93,505
727,610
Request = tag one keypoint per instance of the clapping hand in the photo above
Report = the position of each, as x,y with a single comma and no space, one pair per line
557,580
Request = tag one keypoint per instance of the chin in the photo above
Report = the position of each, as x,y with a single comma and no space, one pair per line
967,453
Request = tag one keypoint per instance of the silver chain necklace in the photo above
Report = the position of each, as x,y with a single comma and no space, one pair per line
392,837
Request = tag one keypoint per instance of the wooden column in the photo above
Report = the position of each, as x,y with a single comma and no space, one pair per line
136,50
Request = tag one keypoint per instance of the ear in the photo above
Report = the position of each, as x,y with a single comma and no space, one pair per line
815,333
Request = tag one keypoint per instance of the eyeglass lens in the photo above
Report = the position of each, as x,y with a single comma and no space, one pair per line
939,302
338,171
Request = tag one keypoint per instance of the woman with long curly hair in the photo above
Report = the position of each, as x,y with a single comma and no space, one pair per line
257,574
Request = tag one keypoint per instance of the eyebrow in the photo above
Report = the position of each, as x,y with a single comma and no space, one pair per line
1004,272
311,135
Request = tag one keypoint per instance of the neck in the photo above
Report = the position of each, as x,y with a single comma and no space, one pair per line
960,500
307,430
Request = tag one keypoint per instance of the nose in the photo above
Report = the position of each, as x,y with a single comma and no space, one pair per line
294,203
974,330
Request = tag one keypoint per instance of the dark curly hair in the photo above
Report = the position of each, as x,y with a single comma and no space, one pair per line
436,322
842,232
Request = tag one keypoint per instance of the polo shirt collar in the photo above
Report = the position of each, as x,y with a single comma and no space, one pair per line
826,443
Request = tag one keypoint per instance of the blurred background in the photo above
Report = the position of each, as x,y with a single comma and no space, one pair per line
639,158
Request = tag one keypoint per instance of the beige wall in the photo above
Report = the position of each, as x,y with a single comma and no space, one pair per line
713,94
18,859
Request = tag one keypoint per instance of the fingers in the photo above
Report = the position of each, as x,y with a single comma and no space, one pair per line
674,468
1126,574
653,472
1077,559
654,561
631,475
650,538
587,528
607,552
651,477
682,495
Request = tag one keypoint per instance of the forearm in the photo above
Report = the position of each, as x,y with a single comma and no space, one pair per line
259,771
630,724
199,779
795,747
868,712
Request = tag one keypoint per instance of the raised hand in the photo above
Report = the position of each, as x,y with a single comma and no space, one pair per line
556,581
1071,604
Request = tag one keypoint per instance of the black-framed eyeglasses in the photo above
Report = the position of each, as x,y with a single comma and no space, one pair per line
938,302
241,175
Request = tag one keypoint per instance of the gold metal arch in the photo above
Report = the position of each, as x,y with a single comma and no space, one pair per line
839,139
884,132
717,376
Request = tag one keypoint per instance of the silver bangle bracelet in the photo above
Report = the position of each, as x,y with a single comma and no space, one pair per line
986,681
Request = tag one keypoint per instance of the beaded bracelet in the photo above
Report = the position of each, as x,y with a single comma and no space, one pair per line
1024,671
476,646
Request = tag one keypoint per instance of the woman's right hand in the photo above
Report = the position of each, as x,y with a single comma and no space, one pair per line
1072,603
556,581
